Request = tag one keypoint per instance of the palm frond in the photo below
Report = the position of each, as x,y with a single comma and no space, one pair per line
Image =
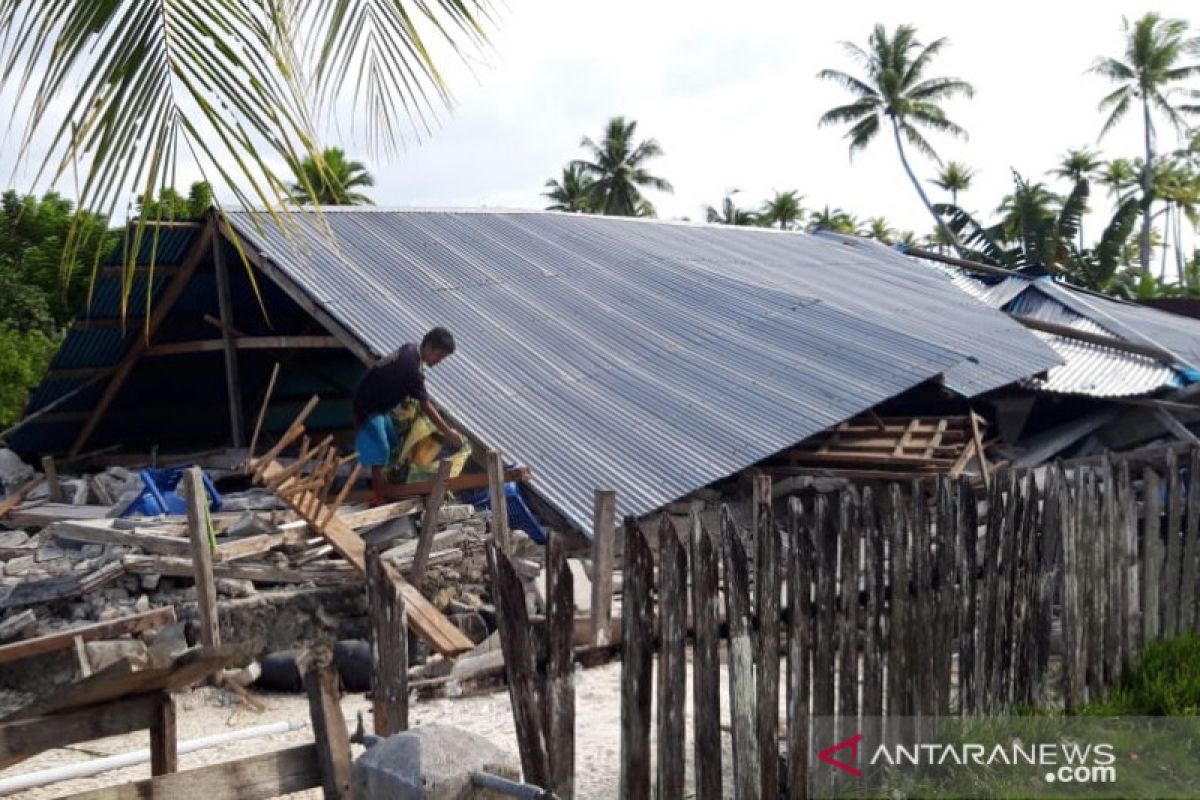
979,240
849,82
848,113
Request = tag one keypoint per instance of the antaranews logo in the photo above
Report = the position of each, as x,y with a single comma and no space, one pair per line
1066,762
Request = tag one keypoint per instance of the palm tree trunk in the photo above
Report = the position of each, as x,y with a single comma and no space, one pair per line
962,253
1147,184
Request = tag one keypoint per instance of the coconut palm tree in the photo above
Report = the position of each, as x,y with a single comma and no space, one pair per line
784,210
1149,74
574,192
879,230
1028,206
730,214
1078,164
954,177
330,179
894,91
241,87
1119,176
618,167
833,219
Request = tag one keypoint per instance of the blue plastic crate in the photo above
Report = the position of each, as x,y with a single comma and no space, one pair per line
160,494
519,515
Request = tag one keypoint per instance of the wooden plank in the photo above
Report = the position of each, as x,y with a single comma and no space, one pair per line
906,437
328,724
233,383
935,441
912,461
747,778
706,667
102,533
389,649
766,583
140,344
977,439
16,498
429,522
23,738
873,586
135,623
323,575
672,659
520,666
560,685
604,537
371,517
823,652
400,491
900,692
202,558
81,657
260,777
245,343
1188,613
1173,558
800,645
61,587
258,466
498,500
847,615
262,411
50,471
636,664
120,680
17,624
1152,550
248,546
164,743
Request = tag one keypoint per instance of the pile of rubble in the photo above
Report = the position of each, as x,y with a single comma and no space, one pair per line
279,583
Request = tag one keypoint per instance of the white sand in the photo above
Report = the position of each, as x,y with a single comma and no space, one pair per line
206,712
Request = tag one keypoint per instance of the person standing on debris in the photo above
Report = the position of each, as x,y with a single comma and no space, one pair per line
387,385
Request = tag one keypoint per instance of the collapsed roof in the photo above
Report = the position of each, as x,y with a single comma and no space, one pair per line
644,356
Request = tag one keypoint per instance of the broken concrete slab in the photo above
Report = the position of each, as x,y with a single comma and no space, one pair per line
431,762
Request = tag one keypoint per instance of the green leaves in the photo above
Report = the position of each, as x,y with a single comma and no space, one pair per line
235,85
618,170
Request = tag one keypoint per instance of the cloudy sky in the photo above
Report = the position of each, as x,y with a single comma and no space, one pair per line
730,91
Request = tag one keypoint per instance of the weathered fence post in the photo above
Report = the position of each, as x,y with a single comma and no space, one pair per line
389,648
847,614
1152,555
559,693
672,659
766,583
747,780
604,535
1173,558
968,620
1189,616
800,637
520,665
637,650
328,723
706,668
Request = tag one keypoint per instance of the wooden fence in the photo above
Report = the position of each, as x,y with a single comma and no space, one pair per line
886,600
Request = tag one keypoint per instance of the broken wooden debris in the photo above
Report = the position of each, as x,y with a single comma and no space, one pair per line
135,623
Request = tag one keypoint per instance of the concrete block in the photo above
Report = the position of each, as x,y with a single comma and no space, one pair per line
18,566
106,653
432,762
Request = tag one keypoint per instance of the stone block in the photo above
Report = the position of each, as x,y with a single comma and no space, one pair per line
432,762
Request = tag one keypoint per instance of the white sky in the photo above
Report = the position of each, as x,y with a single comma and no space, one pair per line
731,94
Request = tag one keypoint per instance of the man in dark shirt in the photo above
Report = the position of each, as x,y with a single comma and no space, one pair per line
389,384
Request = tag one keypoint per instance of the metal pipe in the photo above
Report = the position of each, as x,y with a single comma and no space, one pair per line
522,791
85,769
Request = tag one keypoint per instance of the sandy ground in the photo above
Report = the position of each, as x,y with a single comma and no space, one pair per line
209,711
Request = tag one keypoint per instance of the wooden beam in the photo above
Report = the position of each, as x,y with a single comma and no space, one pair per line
262,411
977,440
16,498
134,623
260,777
233,385
429,522
329,726
399,491
298,294
331,575
1111,342
380,514
28,737
498,501
389,649
1177,428
50,470
246,343
130,322
159,271
139,346
164,742
202,557
101,532
604,535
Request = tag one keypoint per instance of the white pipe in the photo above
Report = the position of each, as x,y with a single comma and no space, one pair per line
84,769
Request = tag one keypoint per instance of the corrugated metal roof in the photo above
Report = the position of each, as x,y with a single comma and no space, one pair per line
1088,369
648,357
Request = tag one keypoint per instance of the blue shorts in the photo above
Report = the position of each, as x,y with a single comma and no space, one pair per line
375,440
